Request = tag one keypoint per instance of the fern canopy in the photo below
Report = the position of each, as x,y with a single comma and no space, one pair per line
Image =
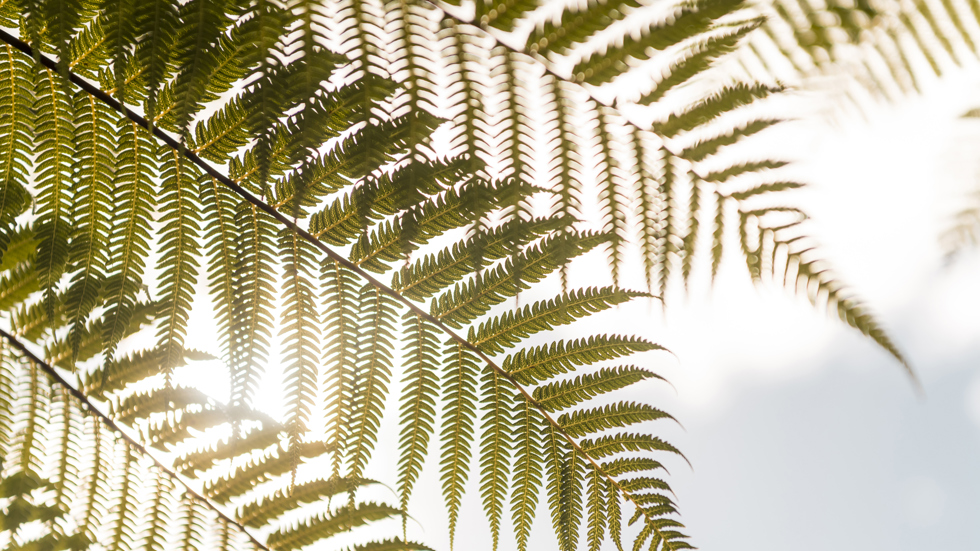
349,192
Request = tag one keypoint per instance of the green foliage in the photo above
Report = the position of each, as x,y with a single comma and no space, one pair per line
253,162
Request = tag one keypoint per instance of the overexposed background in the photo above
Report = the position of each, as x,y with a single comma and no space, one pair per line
803,435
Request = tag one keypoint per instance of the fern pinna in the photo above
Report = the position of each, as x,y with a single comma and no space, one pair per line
274,161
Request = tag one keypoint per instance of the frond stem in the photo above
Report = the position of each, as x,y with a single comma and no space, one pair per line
116,429
548,68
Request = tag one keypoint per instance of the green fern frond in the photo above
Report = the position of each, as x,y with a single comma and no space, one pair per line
130,235
565,394
531,365
623,465
528,469
251,318
260,512
255,471
117,374
17,284
179,253
391,545
699,60
300,332
54,140
474,298
596,505
577,26
95,139
418,408
194,51
89,338
690,21
142,404
460,396
740,169
563,469
20,247
583,422
16,141
608,445
497,403
507,330
707,147
438,271
327,525
725,100
258,438
340,337
369,382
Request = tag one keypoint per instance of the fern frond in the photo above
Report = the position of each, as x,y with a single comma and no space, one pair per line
609,445
624,465
698,60
54,140
15,138
965,230
260,512
194,51
300,332
528,469
120,34
142,404
251,318
690,21
565,394
583,422
89,338
186,424
129,239
201,460
247,476
596,504
155,22
725,100
20,247
474,298
497,404
370,379
507,330
418,409
706,147
95,140
326,525
531,365
563,468
340,338
460,396
577,26
117,374
740,169
179,253
17,284
438,271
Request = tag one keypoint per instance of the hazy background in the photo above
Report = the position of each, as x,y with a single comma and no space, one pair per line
803,435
